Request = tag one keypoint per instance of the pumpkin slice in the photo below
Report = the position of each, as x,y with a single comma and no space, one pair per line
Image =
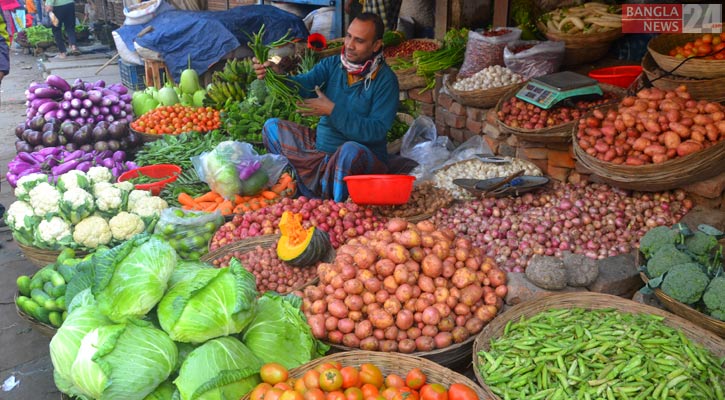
299,246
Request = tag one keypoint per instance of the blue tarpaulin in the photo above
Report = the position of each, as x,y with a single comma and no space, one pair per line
207,36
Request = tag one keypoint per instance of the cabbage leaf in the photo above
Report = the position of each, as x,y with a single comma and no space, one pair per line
280,333
165,391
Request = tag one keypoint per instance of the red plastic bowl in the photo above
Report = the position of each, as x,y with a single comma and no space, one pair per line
168,171
621,76
380,190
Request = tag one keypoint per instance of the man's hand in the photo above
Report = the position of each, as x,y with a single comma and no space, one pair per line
319,106
261,69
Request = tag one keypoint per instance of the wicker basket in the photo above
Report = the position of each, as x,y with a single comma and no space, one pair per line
700,89
146,137
43,257
660,46
670,174
393,363
681,309
409,79
250,244
591,301
481,98
582,49
43,328
330,51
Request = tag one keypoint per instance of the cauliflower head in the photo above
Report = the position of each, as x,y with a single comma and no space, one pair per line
92,232
53,233
76,204
73,179
666,257
100,186
149,206
110,199
136,195
714,298
22,220
656,238
125,186
685,283
125,225
44,198
27,183
99,174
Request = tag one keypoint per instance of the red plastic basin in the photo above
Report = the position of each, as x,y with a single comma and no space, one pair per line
168,171
621,76
380,190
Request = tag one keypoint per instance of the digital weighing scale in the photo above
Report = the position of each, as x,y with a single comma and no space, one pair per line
545,91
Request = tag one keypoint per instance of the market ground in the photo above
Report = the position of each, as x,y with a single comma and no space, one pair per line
23,351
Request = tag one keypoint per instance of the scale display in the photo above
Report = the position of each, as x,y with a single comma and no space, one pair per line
545,91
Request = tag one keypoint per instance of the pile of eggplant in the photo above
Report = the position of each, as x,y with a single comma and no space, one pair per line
39,132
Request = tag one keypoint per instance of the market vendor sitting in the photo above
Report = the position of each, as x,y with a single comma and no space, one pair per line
357,103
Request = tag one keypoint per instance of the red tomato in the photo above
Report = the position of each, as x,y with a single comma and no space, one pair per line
353,393
415,379
459,391
335,395
350,377
394,380
433,391
406,393
314,394
707,38
325,366
389,393
259,391
283,386
311,379
291,395
330,380
369,391
273,394
273,373
300,386
369,373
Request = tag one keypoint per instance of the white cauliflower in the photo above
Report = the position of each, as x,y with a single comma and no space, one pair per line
53,233
22,221
27,183
99,174
125,225
73,179
44,199
92,232
149,206
109,199
125,186
137,195
100,187
76,204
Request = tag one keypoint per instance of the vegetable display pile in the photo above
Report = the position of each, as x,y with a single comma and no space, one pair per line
81,102
705,46
577,353
56,161
332,380
687,266
188,232
476,169
271,272
449,55
187,182
652,127
177,119
37,34
341,221
81,210
230,83
408,47
488,78
424,199
405,288
586,19
517,113
38,133
596,220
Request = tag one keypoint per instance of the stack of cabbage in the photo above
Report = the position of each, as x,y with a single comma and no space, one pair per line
142,323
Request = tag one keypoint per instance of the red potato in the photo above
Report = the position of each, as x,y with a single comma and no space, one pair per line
410,238
460,334
354,302
337,309
364,257
385,267
407,346
688,147
389,346
397,253
381,319
369,344
712,132
425,226
317,324
424,343
335,337
396,225
653,149
432,266
659,158
463,277
697,135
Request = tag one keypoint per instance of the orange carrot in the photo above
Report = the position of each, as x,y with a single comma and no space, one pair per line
213,206
208,196
238,199
226,207
269,195
187,207
186,200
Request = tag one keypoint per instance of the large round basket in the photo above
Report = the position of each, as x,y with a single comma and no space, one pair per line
334,47
681,309
481,98
265,241
590,301
146,137
670,174
44,329
582,49
408,78
555,134
43,257
394,363
700,89
660,46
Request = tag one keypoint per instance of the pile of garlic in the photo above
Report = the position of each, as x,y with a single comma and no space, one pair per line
488,78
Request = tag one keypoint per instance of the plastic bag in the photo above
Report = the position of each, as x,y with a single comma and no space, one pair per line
542,59
188,232
471,148
483,51
422,144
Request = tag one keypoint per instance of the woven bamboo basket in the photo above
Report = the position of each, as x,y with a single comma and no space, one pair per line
700,89
331,51
670,174
582,49
146,137
265,241
682,309
591,301
393,363
409,79
43,257
44,329
555,134
481,98
660,46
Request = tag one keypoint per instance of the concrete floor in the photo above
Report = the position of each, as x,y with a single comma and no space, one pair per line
24,351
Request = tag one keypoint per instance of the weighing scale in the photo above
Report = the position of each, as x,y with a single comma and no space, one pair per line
545,91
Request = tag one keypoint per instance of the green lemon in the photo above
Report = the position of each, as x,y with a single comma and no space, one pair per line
179,213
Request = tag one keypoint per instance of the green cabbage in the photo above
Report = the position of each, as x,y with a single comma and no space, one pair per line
279,332
123,361
185,269
219,369
131,278
209,303
164,391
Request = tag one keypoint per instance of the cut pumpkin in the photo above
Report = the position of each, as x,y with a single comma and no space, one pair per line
299,246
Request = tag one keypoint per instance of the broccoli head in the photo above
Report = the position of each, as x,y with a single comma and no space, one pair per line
258,90
701,243
714,298
664,259
685,283
656,238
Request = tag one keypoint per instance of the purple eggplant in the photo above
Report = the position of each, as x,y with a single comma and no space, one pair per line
121,103
51,151
95,96
104,110
83,166
78,83
12,179
40,101
65,167
70,146
48,93
65,105
86,147
95,110
68,95
62,141
101,146
129,110
122,114
82,136
115,171
125,97
19,130
100,118
36,85
34,138
87,86
130,165
23,146
73,113
88,103
27,157
30,113
114,145
80,94
74,155
50,138
61,114
110,118
99,83
90,120
76,103
57,82
83,112
50,114
79,120
133,139
119,88
16,166
36,123
30,97
49,106
104,153
115,109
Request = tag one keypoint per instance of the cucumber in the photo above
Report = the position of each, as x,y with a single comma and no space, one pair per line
55,319
35,284
58,291
60,302
48,288
65,255
64,315
51,305
23,283
56,278
66,271
27,305
41,314
40,296
20,301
